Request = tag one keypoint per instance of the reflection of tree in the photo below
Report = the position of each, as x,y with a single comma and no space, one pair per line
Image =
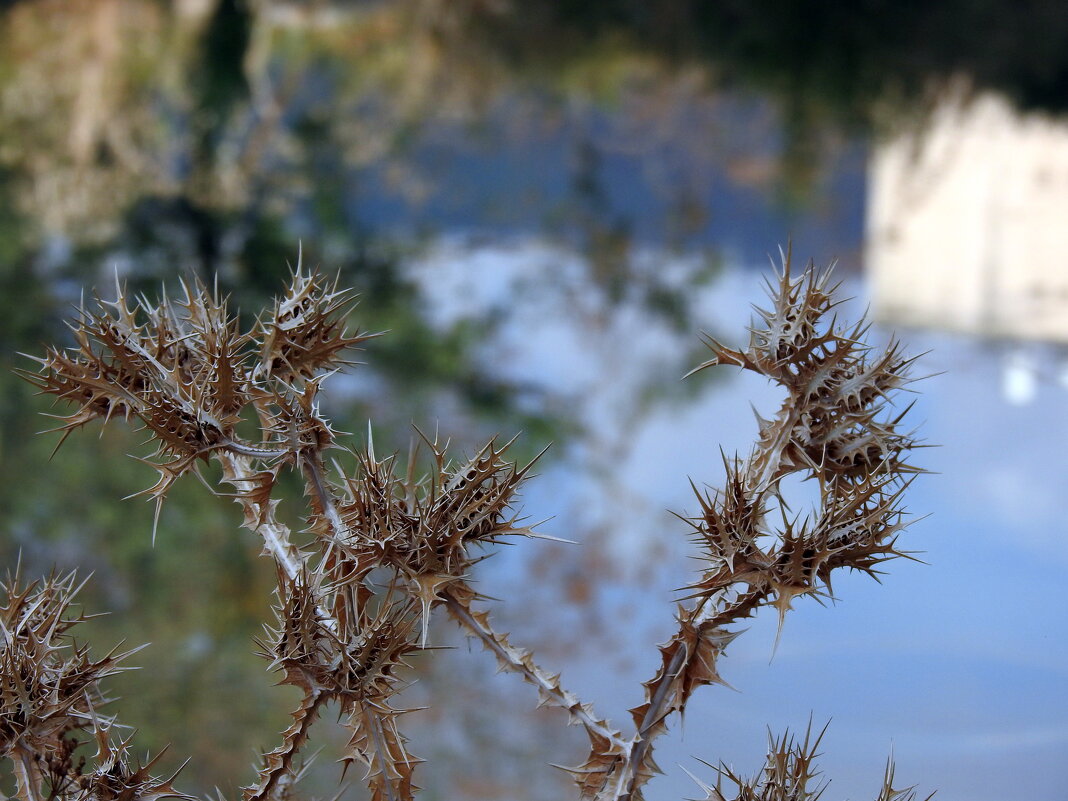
225,107
137,138
204,137
61,118
208,99
214,134
208,136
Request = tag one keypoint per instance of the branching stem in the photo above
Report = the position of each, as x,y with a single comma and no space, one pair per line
26,775
513,659
646,731
743,606
385,759
312,464
238,471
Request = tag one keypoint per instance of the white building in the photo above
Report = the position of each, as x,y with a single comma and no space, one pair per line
968,224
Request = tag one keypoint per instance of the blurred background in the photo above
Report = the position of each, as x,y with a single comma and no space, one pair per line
544,203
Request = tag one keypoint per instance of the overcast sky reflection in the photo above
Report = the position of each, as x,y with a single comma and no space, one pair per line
958,665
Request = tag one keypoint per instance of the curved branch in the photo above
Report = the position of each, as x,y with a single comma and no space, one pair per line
279,763
518,661
259,513
647,730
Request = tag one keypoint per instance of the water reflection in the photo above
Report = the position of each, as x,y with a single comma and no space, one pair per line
965,234
543,252
212,119
957,663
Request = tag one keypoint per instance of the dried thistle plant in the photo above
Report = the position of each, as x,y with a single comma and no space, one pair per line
50,695
391,545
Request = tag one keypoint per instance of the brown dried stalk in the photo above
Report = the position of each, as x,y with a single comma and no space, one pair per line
391,546
835,426
50,694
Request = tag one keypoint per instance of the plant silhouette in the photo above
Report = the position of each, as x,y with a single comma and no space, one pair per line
391,543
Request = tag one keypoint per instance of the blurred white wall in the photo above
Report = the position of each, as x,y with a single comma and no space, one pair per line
968,224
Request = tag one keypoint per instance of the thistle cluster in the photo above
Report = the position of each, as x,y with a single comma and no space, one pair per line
430,531
790,774
51,701
351,658
835,427
189,375
389,544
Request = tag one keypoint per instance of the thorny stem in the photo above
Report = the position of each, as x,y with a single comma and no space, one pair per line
760,484
312,465
742,606
644,737
244,449
26,775
273,776
509,658
313,470
385,760
238,471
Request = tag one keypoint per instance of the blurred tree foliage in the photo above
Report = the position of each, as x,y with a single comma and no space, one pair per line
858,66
131,142
815,56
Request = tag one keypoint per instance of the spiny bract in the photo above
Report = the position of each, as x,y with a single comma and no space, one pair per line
389,546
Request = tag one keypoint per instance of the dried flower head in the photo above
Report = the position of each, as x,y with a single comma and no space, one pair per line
187,372
49,684
50,696
429,530
118,777
305,333
790,774
836,427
